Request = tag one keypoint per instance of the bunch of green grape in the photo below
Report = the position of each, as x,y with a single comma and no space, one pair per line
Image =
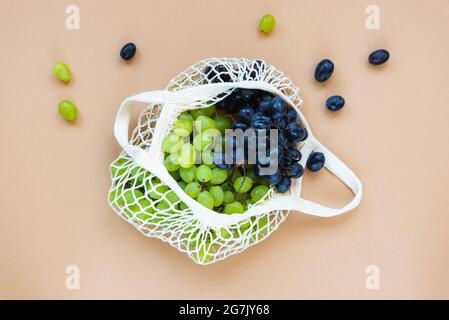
189,159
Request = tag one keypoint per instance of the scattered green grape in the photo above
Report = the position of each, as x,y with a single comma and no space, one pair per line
163,206
182,128
171,164
218,195
258,193
206,199
187,174
172,143
228,196
208,111
67,109
62,71
243,184
186,155
202,123
193,189
218,176
233,207
267,23
203,173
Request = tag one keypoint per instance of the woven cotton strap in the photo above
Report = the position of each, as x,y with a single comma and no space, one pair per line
178,101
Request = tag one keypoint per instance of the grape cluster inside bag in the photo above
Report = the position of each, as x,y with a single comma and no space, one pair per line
145,194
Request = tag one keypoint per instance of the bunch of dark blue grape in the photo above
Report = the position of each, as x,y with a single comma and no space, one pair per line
262,111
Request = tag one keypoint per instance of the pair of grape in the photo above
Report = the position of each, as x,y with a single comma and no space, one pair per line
67,109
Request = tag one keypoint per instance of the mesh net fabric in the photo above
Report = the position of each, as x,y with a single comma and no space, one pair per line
139,197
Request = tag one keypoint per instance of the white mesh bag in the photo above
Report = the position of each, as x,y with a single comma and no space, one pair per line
148,197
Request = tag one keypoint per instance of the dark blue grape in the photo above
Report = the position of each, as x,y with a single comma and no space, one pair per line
274,178
283,123
237,124
335,103
277,116
295,170
264,106
246,114
292,115
260,124
316,161
217,73
284,184
378,57
248,95
296,132
294,154
128,51
324,70
277,105
219,161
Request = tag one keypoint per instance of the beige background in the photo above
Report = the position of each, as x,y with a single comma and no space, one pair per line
392,132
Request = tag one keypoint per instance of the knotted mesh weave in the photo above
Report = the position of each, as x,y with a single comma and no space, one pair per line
140,197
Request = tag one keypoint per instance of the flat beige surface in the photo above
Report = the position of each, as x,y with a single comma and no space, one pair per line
392,132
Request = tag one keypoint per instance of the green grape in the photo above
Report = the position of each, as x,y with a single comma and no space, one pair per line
145,210
267,23
210,110
204,255
172,143
206,199
218,195
244,226
67,109
223,123
163,206
228,196
192,189
202,141
218,176
187,174
139,174
243,184
251,174
182,184
171,197
225,234
175,175
202,123
186,156
225,185
183,128
197,112
233,207
112,195
203,173
262,223
118,167
186,116
62,71
132,196
183,206
258,193
157,191
171,164
207,157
